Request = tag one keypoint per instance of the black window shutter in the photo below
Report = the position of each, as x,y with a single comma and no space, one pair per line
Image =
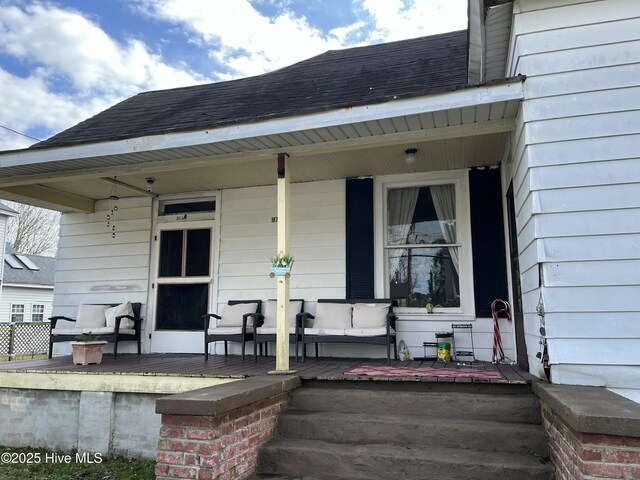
487,239
359,214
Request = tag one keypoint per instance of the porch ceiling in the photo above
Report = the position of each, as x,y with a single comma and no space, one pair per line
454,130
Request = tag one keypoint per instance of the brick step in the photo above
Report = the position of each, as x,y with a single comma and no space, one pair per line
315,459
517,408
414,430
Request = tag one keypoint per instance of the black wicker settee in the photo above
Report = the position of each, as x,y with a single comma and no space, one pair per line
365,321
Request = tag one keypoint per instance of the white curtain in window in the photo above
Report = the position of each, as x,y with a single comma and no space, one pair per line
444,201
401,204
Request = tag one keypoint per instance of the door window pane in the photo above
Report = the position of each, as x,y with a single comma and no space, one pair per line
180,307
198,252
420,275
171,253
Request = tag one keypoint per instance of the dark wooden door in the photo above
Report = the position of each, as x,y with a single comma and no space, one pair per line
516,287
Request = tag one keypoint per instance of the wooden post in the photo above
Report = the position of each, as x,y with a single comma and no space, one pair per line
284,234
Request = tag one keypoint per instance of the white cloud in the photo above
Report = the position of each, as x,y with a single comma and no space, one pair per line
241,38
68,44
62,47
76,69
401,19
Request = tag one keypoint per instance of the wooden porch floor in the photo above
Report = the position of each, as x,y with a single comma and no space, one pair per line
232,366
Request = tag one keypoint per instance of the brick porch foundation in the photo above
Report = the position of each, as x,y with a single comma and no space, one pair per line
216,432
593,433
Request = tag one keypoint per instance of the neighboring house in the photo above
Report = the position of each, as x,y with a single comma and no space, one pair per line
27,287
5,214
524,185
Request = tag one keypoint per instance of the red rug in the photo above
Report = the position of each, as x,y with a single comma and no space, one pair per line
383,371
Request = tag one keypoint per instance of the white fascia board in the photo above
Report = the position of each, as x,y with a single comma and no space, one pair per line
467,97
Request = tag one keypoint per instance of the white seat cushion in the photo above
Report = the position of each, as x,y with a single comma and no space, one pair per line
324,331
271,330
227,330
122,309
370,315
91,316
108,331
271,312
368,332
232,314
333,316
66,331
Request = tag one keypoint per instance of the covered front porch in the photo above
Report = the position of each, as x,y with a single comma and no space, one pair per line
126,202
172,373
378,186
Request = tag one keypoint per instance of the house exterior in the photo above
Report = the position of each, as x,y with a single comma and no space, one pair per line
5,214
27,287
523,186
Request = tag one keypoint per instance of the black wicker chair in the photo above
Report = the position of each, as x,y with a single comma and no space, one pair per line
233,328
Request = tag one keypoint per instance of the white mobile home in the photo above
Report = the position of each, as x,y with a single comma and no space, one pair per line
497,162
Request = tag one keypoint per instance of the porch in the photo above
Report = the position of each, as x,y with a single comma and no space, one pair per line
177,372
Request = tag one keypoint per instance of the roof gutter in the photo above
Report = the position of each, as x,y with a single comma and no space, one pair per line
497,91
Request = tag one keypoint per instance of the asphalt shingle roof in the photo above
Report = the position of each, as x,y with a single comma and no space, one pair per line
335,79
44,276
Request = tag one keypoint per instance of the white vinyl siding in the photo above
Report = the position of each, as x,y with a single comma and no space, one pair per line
576,180
3,236
27,297
93,267
498,24
248,237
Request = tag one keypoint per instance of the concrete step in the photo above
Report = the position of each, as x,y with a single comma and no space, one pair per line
516,408
314,459
362,428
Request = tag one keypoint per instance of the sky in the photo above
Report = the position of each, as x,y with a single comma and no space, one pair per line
67,60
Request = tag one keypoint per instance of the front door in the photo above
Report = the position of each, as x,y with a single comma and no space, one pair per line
183,286
516,287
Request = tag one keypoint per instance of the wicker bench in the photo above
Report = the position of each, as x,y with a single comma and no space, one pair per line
365,321
118,332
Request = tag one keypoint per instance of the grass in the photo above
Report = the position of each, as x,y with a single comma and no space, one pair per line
41,464
23,357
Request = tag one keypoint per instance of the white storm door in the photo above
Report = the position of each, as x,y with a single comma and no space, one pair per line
183,286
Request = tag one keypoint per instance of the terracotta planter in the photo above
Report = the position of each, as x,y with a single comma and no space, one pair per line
85,353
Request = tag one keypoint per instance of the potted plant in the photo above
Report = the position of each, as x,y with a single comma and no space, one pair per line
281,264
87,349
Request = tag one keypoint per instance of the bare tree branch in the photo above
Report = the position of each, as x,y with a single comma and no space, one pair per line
34,231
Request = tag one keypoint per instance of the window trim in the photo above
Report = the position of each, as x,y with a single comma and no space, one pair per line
23,313
460,180
33,305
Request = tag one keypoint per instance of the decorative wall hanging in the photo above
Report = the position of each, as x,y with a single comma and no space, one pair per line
113,209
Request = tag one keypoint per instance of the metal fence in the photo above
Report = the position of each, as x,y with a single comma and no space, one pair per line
23,339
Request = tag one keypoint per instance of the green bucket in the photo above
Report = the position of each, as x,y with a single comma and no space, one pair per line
444,340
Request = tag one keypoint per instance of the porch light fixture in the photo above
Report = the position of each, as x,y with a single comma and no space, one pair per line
150,181
410,156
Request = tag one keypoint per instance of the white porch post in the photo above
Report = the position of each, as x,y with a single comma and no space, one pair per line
284,233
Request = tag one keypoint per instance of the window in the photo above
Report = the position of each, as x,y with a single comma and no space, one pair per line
37,313
185,253
17,313
187,206
425,241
